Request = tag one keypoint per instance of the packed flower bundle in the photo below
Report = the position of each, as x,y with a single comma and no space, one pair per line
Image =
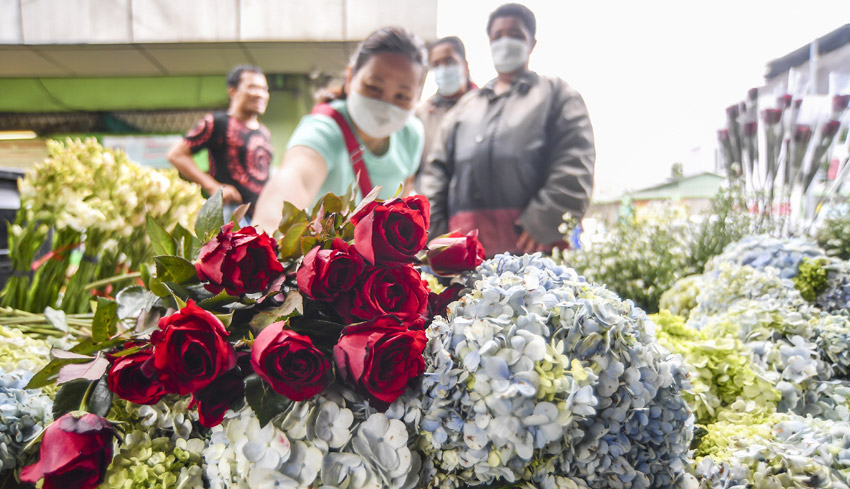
768,365
538,377
92,201
248,361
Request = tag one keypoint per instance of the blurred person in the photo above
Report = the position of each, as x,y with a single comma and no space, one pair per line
515,155
368,132
239,146
447,61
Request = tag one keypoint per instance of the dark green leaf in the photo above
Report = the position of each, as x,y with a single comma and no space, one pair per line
175,269
87,346
158,288
105,321
162,242
290,216
332,203
69,397
307,244
100,399
291,239
187,244
210,219
320,331
265,402
47,375
218,301
292,306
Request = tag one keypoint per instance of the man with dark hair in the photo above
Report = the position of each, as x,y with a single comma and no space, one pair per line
447,61
239,146
514,156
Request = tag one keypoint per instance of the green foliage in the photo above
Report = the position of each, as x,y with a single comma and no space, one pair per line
642,257
812,279
834,235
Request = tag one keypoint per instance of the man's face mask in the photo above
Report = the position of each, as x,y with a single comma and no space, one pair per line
375,117
509,54
450,79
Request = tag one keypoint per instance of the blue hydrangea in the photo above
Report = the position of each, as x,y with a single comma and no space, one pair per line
23,414
537,373
760,252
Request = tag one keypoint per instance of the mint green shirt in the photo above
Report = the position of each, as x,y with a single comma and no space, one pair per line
390,170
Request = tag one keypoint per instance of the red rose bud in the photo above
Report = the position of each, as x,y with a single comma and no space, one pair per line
771,116
392,232
784,101
797,103
454,253
74,453
243,262
214,399
380,358
324,274
290,363
191,350
750,128
830,129
839,103
732,111
803,134
723,134
398,290
753,94
439,303
134,378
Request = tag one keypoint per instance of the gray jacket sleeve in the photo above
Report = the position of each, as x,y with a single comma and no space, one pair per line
572,156
436,179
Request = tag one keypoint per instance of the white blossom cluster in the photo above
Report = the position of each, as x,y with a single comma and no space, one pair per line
537,375
330,441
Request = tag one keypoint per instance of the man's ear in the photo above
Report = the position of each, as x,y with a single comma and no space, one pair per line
231,91
533,43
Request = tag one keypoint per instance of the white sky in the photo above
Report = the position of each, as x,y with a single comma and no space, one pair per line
656,75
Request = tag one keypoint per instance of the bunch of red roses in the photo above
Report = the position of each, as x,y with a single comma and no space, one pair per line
364,307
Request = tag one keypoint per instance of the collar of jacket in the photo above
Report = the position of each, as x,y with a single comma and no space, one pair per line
522,84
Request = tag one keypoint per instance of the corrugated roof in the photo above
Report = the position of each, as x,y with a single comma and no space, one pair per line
830,42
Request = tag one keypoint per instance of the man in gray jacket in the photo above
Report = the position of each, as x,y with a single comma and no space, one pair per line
514,156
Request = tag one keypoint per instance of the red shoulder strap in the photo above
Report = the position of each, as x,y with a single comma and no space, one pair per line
355,152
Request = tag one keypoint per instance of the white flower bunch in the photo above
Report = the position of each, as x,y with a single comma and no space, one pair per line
331,441
537,374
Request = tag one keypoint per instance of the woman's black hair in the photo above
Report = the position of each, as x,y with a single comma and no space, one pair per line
235,75
454,42
390,40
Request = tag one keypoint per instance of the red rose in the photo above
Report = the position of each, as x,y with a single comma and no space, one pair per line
243,262
393,231
214,399
290,363
454,253
74,453
324,274
380,358
191,350
135,379
398,290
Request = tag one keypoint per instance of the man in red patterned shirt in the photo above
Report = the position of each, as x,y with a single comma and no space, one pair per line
239,146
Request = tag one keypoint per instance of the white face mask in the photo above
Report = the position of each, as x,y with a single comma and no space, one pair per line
449,79
509,54
375,117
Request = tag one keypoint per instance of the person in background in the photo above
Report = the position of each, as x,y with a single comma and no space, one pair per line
369,133
239,146
515,155
447,61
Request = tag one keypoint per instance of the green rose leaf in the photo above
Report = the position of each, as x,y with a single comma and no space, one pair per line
175,269
105,322
162,242
210,219
265,402
69,397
